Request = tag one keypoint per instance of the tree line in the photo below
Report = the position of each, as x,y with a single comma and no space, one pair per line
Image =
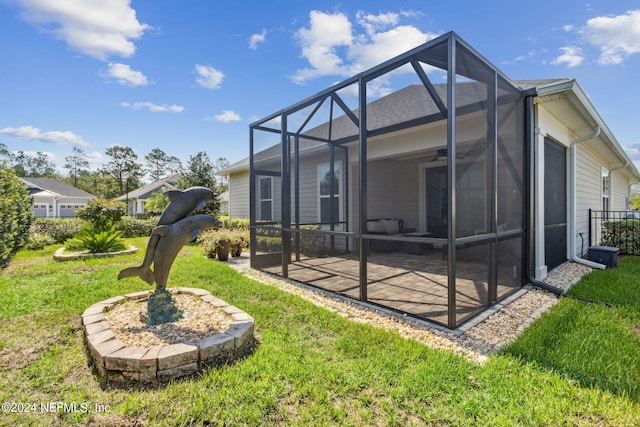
122,172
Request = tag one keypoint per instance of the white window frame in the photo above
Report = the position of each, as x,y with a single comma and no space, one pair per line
605,185
323,168
260,199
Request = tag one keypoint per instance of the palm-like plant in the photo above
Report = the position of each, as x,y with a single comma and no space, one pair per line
96,240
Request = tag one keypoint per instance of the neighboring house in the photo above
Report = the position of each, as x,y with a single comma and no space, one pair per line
55,199
224,203
137,198
491,178
238,194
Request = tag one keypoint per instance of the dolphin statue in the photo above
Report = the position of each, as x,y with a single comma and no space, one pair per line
181,204
172,238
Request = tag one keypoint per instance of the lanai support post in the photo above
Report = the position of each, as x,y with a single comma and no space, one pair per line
451,178
362,151
285,185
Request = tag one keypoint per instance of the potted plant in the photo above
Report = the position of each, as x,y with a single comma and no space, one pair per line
217,243
223,247
238,242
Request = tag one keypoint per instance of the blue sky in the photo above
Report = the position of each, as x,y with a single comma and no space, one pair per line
189,76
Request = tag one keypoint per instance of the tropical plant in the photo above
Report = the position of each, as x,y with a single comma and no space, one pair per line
96,240
635,200
157,202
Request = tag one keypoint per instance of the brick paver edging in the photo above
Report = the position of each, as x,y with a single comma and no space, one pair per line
121,365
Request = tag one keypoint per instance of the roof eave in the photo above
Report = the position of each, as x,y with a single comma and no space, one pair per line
581,100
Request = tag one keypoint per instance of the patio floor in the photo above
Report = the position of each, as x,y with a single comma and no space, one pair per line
415,284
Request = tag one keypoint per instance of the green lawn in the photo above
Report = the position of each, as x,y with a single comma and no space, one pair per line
578,365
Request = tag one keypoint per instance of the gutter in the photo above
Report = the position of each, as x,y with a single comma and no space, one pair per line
529,209
572,200
529,201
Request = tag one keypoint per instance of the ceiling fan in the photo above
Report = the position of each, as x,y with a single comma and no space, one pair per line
443,153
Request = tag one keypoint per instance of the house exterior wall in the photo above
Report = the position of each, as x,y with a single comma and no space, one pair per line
619,191
239,194
50,207
43,207
588,191
588,178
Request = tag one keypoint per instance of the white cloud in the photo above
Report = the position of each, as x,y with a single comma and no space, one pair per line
257,39
385,45
154,108
209,77
94,157
227,116
319,43
31,133
373,23
531,54
332,45
126,76
617,37
99,28
633,151
571,56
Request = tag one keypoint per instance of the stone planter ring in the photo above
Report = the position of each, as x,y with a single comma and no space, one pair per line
122,365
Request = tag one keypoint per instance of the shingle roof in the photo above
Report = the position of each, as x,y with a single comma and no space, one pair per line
529,84
410,103
169,180
55,186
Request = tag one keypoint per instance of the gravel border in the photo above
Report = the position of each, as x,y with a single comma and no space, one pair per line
486,334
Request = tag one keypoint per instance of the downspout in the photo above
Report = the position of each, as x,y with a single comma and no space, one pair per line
572,201
617,168
529,200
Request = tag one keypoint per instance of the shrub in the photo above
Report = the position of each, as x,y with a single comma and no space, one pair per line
134,227
58,229
268,244
102,214
234,223
37,241
15,214
96,240
623,234
312,244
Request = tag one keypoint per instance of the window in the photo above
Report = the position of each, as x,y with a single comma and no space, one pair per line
606,188
265,205
325,182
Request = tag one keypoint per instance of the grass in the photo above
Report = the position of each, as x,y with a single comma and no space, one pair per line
312,366
591,343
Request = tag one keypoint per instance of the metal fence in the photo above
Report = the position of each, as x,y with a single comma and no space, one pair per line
620,229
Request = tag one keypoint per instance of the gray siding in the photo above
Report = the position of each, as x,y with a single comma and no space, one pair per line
239,195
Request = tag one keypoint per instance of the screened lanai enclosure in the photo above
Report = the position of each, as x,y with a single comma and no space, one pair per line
411,199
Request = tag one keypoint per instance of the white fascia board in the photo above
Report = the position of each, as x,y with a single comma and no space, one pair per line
591,114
